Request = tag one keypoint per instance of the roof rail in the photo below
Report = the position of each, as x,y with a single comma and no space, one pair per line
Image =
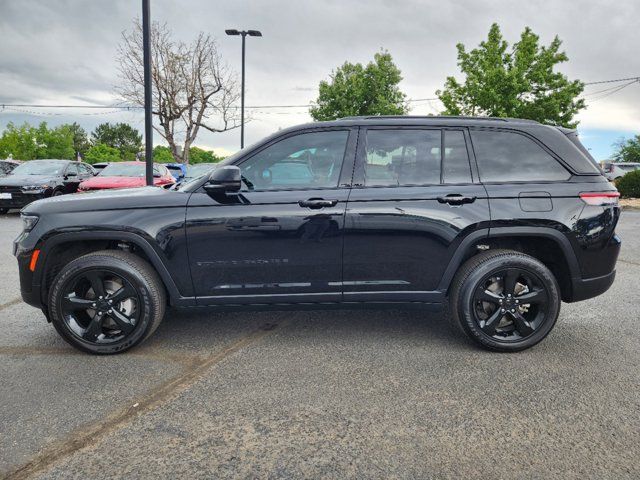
437,117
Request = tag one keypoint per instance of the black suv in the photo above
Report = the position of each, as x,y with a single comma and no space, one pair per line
497,219
38,179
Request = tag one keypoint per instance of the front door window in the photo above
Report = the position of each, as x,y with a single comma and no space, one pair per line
302,162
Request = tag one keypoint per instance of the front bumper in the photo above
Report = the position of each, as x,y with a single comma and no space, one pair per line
19,200
28,290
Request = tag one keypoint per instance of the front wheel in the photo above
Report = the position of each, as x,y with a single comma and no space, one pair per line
505,300
106,302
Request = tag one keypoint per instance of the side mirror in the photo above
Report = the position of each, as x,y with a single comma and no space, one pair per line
72,174
227,179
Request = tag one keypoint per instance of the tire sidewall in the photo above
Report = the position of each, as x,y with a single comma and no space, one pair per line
465,301
118,267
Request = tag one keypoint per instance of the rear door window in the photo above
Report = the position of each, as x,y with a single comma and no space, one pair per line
455,166
512,157
402,157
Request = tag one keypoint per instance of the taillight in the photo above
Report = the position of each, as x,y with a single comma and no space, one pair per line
600,198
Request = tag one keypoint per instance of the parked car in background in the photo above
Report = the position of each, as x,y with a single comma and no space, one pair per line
615,170
127,175
37,179
197,170
7,166
178,170
98,167
495,220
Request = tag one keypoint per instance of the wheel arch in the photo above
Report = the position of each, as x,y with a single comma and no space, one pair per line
546,244
63,247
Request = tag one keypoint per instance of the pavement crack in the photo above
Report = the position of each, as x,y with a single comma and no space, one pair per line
10,303
629,263
88,435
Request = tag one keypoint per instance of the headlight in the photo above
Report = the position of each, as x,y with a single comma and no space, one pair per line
28,222
33,188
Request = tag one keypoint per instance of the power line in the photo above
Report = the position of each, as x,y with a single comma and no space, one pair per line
615,90
137,107
115,108
637,79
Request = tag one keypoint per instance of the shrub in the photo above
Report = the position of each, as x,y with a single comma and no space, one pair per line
629,185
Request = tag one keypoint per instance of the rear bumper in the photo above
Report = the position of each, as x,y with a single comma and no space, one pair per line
583,289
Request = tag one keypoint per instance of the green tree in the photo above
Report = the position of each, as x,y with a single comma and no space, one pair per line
354,89
102,153
199,155
121,136
520,82
80,139
162,154
54,142
18,142
27,142
627,150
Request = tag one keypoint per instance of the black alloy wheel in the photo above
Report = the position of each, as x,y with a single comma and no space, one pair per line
505,300
510,304
100,306
107,301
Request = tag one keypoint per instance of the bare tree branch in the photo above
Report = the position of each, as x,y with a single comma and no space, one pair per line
192,87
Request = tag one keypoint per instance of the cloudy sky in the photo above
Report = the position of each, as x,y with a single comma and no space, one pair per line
64,52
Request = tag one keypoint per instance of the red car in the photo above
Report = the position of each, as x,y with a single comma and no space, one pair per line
126,175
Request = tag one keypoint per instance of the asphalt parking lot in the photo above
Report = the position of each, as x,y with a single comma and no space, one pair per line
371,394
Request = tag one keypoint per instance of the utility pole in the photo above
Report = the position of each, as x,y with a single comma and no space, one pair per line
148,125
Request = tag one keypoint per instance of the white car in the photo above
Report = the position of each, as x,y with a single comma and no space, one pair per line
615,170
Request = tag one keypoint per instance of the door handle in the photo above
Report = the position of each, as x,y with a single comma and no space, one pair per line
456,199
317,203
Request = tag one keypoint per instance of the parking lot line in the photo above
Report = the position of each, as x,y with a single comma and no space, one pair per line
88,435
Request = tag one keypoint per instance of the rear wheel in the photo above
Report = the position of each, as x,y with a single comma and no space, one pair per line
106,302
505,300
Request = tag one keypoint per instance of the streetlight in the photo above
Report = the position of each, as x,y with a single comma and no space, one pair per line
244,33
148,121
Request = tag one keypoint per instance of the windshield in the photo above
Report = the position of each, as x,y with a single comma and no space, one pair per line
125,170
200,169
41,167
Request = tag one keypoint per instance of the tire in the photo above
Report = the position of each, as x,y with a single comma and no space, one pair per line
3,211
133,305
483,309
57,193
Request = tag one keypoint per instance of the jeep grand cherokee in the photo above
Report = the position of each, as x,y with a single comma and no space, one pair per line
498,219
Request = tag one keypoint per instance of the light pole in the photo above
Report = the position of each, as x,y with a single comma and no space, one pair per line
244,33
148,125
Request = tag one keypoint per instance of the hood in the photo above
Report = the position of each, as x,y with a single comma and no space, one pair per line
20,180
113,182
126,198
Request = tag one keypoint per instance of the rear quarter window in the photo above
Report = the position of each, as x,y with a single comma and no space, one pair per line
513,157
